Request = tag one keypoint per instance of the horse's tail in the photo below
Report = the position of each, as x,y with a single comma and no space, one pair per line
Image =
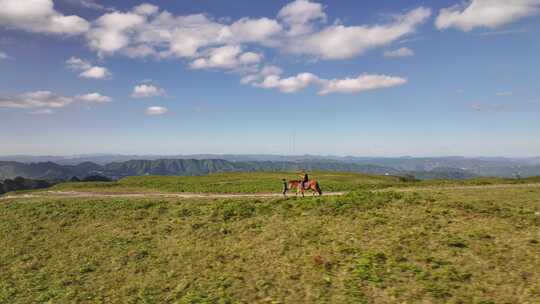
318,188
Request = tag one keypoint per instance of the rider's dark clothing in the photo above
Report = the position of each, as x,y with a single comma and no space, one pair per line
305,180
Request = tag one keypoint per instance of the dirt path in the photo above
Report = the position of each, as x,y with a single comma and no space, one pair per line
77,194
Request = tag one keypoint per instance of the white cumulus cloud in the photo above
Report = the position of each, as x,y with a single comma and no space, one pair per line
44,101
485,13
94,98
39,16
267,70
147,91
146,9
112,31
140,51
253,30
289,84
226,57
401,52
341,42
87,69
152,111
36,99
75,63
95,73
183,36
145,31
293,84
361,83
300,16
299,28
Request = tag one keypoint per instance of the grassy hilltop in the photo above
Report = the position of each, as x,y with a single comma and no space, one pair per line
259,182
477,245
267,182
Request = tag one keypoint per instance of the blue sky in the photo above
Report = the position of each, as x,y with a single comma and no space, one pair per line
365,78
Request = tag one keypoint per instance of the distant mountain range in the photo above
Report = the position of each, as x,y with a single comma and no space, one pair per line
117,166
51,170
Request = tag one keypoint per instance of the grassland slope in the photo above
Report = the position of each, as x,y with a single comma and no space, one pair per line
255,182
268,182
440,246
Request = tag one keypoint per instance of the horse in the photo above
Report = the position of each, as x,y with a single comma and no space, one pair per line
312,185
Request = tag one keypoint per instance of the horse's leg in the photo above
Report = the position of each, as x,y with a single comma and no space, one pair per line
316,188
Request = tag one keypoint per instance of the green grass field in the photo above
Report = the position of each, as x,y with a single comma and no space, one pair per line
432,246
266,182
261,182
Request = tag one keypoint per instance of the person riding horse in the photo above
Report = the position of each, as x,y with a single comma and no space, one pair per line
301,185
305,178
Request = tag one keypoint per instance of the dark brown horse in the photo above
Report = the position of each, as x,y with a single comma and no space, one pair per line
312,185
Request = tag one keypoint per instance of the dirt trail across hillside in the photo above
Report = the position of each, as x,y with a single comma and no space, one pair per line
77,194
